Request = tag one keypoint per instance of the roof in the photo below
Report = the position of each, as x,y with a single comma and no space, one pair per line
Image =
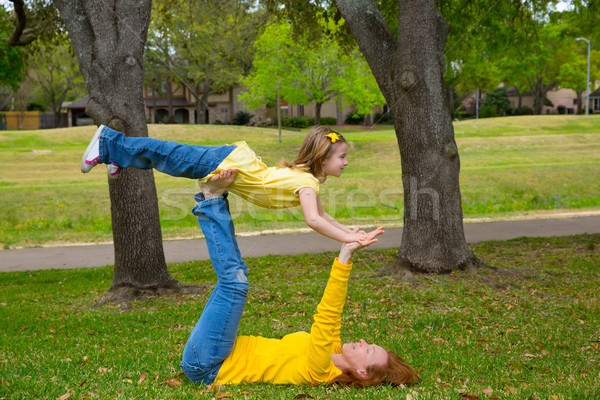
81,103
160,102
163,102
595,93
514,91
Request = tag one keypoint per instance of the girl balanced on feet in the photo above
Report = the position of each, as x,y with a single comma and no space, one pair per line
215,354
322,154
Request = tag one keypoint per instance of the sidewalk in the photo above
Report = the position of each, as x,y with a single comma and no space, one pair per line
87,256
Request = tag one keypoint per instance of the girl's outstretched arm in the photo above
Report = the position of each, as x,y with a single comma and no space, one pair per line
330,219
310,205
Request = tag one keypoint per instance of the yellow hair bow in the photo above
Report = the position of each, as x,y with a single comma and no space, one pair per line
333,136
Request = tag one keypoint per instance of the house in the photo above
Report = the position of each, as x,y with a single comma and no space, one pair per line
181,101
222,107
566,98
178,101
595,101
76,115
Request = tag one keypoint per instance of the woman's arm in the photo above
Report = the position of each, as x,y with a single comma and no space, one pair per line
324,333
310,204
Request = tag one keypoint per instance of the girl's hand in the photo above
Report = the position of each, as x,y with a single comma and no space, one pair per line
356,236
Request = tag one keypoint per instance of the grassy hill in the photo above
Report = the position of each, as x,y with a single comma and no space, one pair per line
510,166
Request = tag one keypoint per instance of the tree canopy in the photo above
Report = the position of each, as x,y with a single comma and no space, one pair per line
206,45
12,62
305,69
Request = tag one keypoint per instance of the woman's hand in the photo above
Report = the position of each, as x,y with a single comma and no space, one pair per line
348,249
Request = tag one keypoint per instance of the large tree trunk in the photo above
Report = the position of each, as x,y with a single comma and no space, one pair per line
409,72
109,39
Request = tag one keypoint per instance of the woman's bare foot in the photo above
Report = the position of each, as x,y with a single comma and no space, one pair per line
217,184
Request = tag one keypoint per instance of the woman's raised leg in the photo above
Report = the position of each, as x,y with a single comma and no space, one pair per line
214,335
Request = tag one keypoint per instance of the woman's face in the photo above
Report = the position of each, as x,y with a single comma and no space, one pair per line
361,355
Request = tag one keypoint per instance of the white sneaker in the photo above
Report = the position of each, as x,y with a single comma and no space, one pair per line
112,170
92,153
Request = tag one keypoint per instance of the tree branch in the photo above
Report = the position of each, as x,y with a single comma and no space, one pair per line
21,36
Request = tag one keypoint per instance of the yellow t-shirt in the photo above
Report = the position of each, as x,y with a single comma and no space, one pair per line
298,358
269,187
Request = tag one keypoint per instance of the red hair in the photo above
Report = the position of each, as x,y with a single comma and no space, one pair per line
397,372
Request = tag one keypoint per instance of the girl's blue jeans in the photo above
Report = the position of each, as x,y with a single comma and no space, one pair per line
213,337
175,159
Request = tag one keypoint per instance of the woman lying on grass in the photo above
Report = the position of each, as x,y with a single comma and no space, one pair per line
215,354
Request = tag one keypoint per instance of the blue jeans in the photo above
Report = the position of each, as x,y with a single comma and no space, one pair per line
215,333
175,159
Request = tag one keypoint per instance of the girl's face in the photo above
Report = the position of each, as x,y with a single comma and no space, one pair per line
335,163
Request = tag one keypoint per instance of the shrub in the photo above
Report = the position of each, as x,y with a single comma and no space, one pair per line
242,118
354,119
497,99
257,121
295,122
526,110
328,121
324,121
561,109
488,112
383,118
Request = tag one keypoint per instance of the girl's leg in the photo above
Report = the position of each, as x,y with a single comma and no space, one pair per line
175,159
213,337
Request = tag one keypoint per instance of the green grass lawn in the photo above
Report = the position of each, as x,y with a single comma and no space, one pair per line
530,331
510,166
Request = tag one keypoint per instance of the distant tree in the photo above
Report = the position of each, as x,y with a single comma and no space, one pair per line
274,67
54,70
306,69
497,99
156,71
537,52
573,75
12,61
210,52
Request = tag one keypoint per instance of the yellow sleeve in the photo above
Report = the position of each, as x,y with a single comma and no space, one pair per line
324,333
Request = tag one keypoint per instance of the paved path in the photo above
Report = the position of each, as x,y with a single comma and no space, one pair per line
284,244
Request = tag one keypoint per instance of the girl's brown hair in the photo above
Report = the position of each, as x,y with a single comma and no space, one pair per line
316,147
397,372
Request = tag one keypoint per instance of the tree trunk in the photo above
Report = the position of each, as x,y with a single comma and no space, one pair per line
538,97
318,113
170,101
450,91
109,41
579,105
153,112
201,104
409,72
